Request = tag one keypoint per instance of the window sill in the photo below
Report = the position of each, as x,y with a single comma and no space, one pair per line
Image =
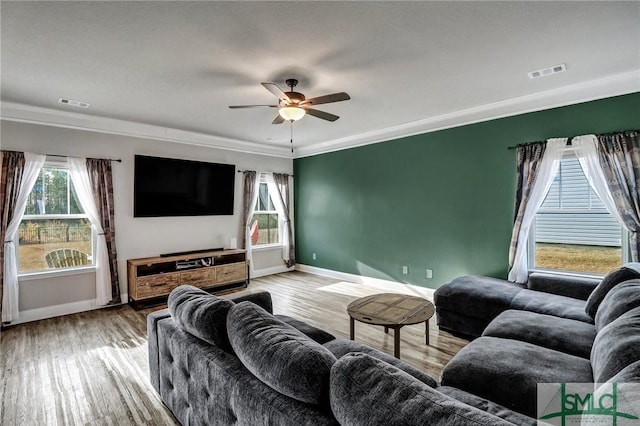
568,273
30,276
264,247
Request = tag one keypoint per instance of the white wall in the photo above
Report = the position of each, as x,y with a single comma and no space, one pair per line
136,237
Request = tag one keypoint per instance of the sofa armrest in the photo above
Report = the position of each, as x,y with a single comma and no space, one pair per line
562,285
369,392
259,297
152,338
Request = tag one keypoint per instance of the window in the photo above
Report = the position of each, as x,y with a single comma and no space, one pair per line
54,232
265,223
573,231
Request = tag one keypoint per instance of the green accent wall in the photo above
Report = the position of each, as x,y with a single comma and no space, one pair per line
442,200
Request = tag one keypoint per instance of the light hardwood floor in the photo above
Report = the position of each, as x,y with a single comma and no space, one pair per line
91,368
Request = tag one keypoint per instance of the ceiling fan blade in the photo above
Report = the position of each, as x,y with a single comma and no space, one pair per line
251,106
334,97
273,88
321,114
278,120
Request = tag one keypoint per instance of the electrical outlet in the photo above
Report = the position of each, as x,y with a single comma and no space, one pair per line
314,256
429,273
405,270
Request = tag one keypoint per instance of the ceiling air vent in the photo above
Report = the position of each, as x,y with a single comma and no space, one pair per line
78,104
547,71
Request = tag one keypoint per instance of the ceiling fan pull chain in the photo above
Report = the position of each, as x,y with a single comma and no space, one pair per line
291,124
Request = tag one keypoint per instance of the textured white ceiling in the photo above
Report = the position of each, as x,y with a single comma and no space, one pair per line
178,65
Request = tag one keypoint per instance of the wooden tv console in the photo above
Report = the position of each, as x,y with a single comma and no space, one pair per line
151,279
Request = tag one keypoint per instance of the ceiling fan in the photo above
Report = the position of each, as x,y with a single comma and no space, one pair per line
293,105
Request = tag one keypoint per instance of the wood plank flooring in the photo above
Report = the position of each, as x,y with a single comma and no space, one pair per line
91,368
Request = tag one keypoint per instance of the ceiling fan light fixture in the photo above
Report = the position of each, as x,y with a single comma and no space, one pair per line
291,113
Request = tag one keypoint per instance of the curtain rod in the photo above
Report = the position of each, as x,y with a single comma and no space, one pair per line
65,156
118,160
569,139
242,171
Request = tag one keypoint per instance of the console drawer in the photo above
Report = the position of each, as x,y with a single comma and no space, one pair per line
154,285
230,273
199,277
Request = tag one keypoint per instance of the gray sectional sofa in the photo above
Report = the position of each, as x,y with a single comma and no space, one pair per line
535,336
231,361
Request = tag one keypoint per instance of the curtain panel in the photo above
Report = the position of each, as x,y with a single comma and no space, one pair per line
19,173
100,176
537,165
250,185
81,182
280,186
10,178
619,156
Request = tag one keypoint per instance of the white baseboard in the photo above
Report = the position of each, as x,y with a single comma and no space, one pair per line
386,285
270,271
60,310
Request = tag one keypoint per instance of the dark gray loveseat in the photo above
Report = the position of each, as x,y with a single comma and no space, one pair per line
217,361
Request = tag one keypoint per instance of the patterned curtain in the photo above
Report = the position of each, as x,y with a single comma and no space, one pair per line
10,178
527,164
537,166
619,155
249,195
282,186
100,176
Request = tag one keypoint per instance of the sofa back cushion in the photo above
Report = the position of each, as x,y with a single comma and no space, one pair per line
616,346
200,314
366,391
281,356
622,298
626,272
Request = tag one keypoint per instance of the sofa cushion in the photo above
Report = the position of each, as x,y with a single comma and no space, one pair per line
488,406
507,371
563,285
622,298
561,334
366,391
626,272
551,304
200,314
616,346
341,347
280,355
315,333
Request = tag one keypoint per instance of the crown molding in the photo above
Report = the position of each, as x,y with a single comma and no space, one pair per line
616,85
620,84
12,111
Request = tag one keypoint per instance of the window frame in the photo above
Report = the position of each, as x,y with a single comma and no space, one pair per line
266,246
53,272
531,244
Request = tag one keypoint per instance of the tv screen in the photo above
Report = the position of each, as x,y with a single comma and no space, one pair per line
172,187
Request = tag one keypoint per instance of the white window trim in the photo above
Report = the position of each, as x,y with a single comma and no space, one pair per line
268,246
58,272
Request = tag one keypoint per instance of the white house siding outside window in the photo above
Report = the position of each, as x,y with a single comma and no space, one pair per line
54,233
573,231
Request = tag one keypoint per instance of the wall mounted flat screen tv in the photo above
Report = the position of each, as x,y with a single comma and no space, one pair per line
172,187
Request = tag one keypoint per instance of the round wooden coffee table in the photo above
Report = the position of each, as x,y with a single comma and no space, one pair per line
391,310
